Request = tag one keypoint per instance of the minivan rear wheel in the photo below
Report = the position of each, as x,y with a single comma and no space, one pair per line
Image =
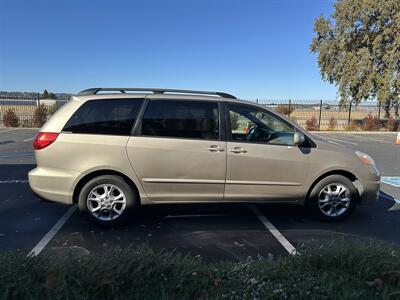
333,198
107,200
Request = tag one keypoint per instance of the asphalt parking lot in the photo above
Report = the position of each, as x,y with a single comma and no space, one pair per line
214,232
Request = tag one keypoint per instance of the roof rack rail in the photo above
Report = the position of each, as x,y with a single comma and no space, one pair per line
94,91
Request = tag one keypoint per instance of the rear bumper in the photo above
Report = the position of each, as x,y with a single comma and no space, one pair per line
52,184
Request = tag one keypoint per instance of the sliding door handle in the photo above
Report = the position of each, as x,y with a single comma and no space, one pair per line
238,150
215,148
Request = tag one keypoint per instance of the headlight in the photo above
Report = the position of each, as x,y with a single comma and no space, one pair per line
365,158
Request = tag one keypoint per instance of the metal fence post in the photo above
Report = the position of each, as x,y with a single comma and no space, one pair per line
38,100
348,121
379,110
320,115
290,102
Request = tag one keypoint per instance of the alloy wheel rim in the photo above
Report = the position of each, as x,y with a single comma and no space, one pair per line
106,202
334,199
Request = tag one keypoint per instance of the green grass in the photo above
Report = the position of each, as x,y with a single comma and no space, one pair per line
339,270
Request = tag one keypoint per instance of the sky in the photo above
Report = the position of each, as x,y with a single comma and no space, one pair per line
250,48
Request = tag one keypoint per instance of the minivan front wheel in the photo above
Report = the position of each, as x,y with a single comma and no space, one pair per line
107,200
333,198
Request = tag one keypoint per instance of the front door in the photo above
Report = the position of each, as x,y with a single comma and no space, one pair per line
262,161
178,153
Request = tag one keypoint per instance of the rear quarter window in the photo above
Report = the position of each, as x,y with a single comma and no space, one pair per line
105,116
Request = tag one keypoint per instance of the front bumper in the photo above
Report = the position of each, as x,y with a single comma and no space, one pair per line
369,192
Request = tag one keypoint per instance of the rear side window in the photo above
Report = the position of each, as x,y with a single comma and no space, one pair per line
108,116
181,119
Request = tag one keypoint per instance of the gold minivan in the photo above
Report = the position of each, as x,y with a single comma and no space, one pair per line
112,149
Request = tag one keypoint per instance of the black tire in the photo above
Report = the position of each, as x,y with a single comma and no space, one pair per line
313,199
131,199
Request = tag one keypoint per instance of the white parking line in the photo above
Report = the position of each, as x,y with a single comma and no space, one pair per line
13,181
275,232
391,180
53,231
16,155
3,131
336,143
338,140
375,140
29,139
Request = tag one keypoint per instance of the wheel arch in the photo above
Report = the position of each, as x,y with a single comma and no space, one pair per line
97,173
349,175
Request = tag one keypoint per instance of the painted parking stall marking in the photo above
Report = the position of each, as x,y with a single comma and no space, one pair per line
374,139
8,130
15,181
275,232
16,155
52,232
391,180
336,139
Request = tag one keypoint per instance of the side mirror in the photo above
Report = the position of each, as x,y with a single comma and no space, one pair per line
298,138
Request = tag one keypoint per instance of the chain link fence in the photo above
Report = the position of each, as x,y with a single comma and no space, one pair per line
32,110
331,115
28,109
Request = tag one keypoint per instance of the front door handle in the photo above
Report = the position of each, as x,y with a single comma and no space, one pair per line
238,150
215,148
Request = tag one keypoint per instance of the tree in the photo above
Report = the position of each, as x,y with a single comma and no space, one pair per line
358,50
47,95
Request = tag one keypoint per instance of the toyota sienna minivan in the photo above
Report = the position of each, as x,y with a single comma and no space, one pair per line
110,150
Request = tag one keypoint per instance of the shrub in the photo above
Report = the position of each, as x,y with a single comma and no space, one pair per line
284,109
40,116
370,123
312,124
352,126
392,124
53,108
27,123
10,118
341,269
332,123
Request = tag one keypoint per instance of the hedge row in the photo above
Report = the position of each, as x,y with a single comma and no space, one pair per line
338,270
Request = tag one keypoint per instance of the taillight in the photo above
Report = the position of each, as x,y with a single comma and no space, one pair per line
44,139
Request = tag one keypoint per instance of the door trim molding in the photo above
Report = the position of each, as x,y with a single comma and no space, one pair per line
211,181
247,182
191,181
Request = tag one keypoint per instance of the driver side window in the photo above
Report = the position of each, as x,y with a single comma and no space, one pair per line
250,124
239,125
